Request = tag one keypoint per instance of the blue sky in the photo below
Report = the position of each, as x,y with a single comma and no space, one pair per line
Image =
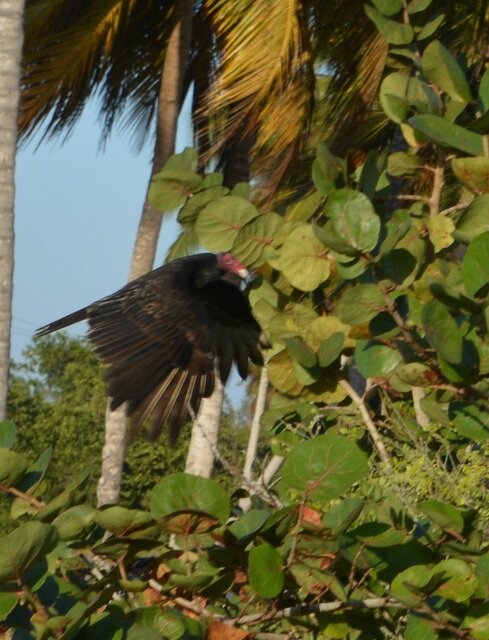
77,211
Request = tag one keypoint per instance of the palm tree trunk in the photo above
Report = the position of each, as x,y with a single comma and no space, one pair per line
169,105
11,30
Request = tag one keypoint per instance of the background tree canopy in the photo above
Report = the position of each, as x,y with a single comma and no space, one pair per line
373,291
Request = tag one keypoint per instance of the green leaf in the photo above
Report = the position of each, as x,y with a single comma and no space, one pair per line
247,525
459,581
341,516
23,546
407,586
120,520
8,602
186,160
358,305
36,471
394,32
12,466
325,170
353,219
331,349
74,522
482,573
265,570
477,620
414,374
254,237
441,232
396,228
473,173
470,421
448,134
304,209
430,27
474,221
170,189
475,265
441,68
445,515
484,91
302,259
8,434
300,352
388,7
442,331
419,628
416,6
194,204
403,164
376,360
323,468
182,492
220,222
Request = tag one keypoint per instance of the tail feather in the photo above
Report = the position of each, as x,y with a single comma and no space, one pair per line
66,321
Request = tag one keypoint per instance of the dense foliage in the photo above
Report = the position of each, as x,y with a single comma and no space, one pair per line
373,291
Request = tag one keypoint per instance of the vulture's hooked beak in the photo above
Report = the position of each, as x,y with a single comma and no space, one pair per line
247,281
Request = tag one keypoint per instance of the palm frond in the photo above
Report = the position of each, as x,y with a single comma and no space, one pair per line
262,82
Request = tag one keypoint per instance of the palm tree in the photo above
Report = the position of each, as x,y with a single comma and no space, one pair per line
11,18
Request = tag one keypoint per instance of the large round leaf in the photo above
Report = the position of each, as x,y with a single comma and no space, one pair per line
376,360
442,331
358,305
185,492
302,259
265,568
254,236
324,468
441,68
448,134
475,220
353,219
220,222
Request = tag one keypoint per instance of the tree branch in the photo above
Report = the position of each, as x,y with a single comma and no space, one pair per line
369,423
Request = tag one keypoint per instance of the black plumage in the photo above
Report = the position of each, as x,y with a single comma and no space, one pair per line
161,336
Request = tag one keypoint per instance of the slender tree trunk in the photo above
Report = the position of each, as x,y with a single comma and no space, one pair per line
169,104
205,431
11,39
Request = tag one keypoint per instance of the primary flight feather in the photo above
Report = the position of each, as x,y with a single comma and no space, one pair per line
161,335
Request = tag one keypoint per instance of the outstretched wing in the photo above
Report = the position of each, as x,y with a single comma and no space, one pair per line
154,339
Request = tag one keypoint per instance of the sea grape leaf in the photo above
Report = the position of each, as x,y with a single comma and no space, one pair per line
358,305
448,134
394,32
442,331
473,173
182,492
475,265
302,259
265,570
353,219
323,468
475,219
220,222
441,68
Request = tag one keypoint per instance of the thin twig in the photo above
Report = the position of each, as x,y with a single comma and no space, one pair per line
261,398
369,423
323,607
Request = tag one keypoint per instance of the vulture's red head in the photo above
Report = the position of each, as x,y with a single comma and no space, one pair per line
227,262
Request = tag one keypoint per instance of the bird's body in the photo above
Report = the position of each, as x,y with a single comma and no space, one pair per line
160,336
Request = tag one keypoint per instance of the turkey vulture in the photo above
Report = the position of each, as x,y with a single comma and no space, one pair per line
160,336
